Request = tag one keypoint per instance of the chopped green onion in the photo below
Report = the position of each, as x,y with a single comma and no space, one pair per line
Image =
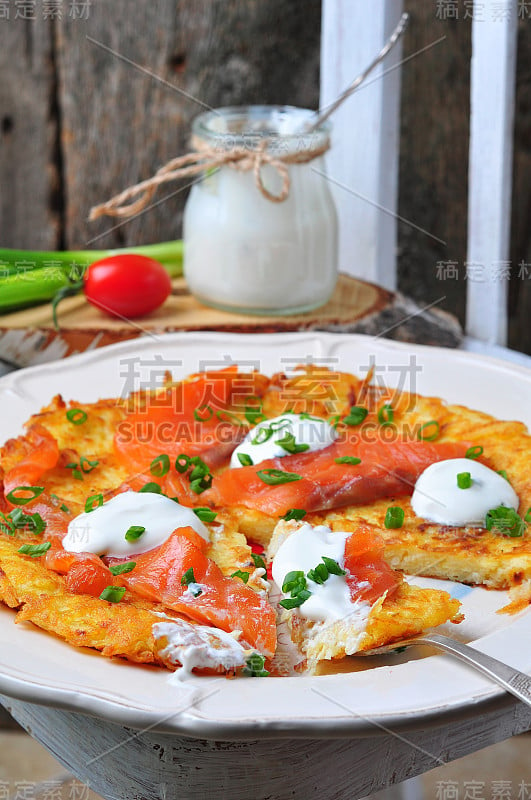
293,580
19,518
15,500
205,514
334,420
121,569
34,522
200,484
76,472
505,521
151,487
275,477
134,532
323,570
199,470
86,465
352,460
113,594
503,473
278,424
189,578
527,517
474,452
254,667
298,600
319,574
62,505
355,416
258,561
464,480
160,466
241,574
332,566
182,463
200,477
245,460
95,501
83,468
295,583
306,415
263,434
426,435
76,416
6,525
208,413
289,444
294,513
386,415
35,550
394,517
254,414
227,416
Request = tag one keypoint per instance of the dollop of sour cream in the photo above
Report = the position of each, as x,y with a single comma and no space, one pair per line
303,550
261,442
102,531
438,498
192,646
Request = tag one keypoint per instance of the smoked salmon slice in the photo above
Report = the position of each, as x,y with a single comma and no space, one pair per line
194,417
42,454
368,575
225,603
385,470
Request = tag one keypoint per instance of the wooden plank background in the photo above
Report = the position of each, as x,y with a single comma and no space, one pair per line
79,121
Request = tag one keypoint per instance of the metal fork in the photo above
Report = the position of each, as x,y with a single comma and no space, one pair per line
511,679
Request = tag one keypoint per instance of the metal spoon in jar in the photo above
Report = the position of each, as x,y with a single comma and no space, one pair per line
393,39
511,679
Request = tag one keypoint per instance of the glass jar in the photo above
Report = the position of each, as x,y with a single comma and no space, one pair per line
244,252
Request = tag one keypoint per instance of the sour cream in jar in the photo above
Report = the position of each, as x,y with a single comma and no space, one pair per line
244,252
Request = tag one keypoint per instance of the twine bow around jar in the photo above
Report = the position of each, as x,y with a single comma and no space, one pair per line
204,158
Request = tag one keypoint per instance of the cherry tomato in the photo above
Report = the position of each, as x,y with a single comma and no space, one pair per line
127,285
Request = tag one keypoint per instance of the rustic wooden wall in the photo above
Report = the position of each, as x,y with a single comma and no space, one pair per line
29,180
80,118
434,155
434,164
520,289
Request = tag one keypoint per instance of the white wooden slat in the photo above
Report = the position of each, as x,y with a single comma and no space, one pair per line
363,161
493,74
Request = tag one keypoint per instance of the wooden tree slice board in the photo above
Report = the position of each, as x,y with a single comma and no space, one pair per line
28,337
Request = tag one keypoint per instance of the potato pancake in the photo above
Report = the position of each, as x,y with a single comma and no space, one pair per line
178,442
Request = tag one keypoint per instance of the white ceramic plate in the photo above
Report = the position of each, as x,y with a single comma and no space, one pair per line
36,667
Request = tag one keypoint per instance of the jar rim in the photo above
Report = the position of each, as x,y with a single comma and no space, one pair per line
228,123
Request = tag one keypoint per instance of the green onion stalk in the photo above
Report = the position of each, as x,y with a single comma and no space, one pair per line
28,277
